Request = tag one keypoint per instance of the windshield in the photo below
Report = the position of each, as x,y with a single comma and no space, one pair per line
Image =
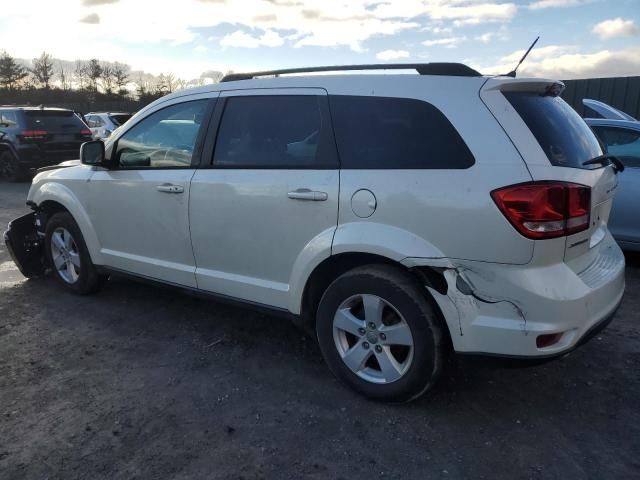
565,138
53,120
119,118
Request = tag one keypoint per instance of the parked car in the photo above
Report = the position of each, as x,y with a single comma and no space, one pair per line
620,134
32,137
102,124
398,217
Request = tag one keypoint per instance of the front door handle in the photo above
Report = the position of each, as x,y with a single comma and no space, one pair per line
309,195
169,188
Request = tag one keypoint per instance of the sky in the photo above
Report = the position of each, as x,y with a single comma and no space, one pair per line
579,38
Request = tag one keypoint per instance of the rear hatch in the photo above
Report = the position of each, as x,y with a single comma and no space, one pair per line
554,142
58,133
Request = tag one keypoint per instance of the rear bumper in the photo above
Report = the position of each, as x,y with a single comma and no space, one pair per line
33,157
26,245
501,310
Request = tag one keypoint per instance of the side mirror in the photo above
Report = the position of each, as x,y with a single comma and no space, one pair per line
92,153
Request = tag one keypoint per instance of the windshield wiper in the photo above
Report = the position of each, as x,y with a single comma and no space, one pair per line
606,160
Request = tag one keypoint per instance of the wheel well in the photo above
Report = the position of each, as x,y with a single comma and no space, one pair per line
334,266
50,207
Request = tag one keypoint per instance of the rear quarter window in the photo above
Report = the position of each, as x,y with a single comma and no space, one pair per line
395,133
565,138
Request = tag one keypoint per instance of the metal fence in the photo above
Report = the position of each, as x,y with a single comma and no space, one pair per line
622,93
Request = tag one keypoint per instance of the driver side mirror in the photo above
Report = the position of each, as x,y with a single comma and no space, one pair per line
92,153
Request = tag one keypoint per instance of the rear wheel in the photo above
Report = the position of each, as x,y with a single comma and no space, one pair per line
10,168
380,335
68,256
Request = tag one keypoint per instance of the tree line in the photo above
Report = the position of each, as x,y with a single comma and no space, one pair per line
45,80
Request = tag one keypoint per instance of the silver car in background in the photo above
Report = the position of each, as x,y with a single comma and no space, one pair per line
620,134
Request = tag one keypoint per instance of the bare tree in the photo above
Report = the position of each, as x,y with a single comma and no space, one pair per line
108,79
94,73
64,77
10,72
121,76
42,70
81,74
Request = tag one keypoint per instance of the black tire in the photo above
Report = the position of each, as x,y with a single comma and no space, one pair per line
404,294
10,168
88,280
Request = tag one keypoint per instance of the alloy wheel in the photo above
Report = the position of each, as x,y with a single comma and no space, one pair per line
373,338
65,255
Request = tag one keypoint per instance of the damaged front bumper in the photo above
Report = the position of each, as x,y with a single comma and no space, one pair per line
25,242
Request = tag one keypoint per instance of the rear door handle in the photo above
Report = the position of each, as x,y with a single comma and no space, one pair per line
169,188
309,195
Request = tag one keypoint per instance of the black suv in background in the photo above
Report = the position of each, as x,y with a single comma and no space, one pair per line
33,137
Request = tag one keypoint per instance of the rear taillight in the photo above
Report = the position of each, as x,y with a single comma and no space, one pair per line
85,132
34,134
546,209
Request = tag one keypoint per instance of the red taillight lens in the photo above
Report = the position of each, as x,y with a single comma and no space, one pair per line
541,210
34,134
85,131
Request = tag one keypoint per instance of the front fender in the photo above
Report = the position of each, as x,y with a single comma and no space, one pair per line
59,193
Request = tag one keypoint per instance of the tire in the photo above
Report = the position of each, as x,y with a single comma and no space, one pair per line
68,257
10,168
407,338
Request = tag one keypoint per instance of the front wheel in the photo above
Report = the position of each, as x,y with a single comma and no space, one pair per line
380,335
68,256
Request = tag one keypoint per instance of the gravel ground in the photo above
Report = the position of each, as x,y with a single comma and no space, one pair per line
142,381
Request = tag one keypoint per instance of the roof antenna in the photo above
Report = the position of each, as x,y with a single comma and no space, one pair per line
512,73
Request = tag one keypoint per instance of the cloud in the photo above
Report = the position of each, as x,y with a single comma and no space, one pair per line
616,27
240,39
603,63
92,18
387,55
540,4
93,3
450,42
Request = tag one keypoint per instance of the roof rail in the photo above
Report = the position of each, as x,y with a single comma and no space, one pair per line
452,69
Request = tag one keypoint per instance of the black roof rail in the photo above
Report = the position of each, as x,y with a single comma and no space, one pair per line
443,68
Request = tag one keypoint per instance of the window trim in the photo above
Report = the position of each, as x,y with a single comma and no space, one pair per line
210,103
325,117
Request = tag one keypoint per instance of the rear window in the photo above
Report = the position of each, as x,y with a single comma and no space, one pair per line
119,119
566,140
395,133
622,142
53,121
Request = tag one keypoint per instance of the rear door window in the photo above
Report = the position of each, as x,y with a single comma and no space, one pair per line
274,131
562,134
621,142
53,120
395,133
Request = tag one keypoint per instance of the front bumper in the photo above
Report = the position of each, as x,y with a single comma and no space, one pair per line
26,245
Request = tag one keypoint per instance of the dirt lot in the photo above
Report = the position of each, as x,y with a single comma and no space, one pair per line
145,382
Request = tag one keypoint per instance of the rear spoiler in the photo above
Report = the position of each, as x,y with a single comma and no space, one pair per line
553,88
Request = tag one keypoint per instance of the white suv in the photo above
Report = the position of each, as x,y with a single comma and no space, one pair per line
103,124
399,217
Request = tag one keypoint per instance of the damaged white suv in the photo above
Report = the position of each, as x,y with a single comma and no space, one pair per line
399,217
